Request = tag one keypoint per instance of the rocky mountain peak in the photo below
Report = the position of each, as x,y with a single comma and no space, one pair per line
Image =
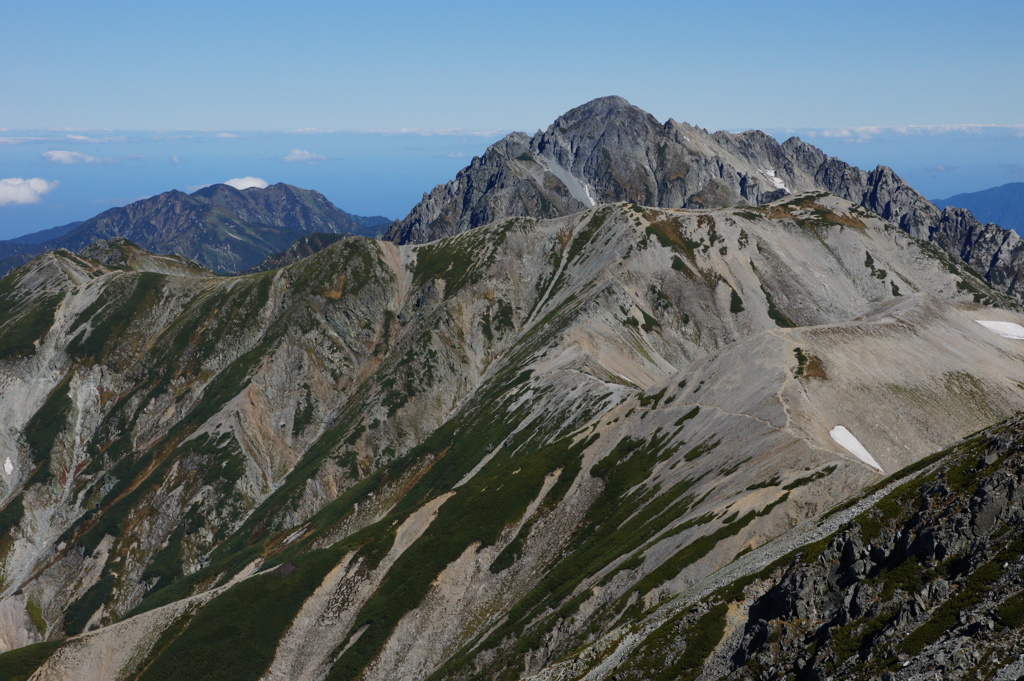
1002,205
214,191
611,108
606,103
608,150
469,458
576,438
110,253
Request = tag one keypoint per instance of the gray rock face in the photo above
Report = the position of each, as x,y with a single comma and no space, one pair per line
608,150
1002,205
927,582
603,152
996,252
471,457
918,580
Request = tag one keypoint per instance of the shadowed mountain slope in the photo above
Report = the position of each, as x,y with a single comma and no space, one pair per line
1002,205
220,227
920,578
471,458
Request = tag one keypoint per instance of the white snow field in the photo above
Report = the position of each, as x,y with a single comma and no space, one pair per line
1004,329
844,437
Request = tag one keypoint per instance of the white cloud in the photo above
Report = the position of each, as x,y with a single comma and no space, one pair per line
859,134
98,140
303,156
226,135
854,135
454,154
71,157
247,182
17,190
444,132
238,183
960,127
24,140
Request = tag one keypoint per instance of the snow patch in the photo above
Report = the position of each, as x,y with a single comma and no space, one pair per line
578,189
1004,329
8,466
586,188
779,184
845,438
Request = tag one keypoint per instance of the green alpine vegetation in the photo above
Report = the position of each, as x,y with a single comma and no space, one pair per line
572,441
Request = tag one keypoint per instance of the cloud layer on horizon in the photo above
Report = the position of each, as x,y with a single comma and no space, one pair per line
303,156
863,133
20,191
72,157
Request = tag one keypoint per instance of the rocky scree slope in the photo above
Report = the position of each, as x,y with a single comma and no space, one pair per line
468,458
223,228
609,150
925,583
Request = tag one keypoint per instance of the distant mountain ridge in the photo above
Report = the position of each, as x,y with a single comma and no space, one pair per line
1003,205
608,150
305,246
45,235
624,444
474,458
223,228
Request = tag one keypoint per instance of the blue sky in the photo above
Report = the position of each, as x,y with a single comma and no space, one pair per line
395,97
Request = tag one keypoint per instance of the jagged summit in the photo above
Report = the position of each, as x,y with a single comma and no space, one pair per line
539,448
121,253
612,106
606,103
604,151
468,458
1003,205
609,150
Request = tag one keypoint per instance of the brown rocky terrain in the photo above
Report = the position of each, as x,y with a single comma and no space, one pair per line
490,456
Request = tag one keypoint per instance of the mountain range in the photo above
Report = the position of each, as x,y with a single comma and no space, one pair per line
1002,205
609,150
223,228
752,429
